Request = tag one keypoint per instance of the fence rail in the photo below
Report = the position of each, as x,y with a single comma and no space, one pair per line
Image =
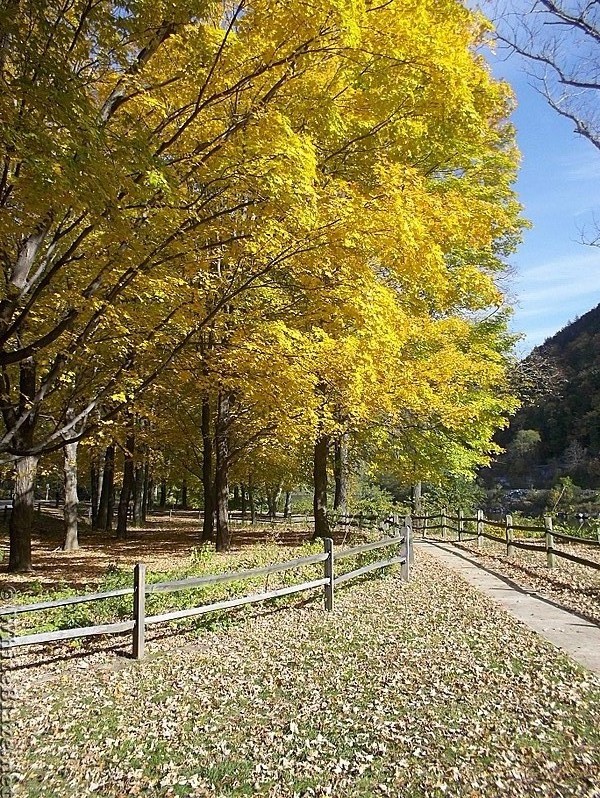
48,605
544,543
140,620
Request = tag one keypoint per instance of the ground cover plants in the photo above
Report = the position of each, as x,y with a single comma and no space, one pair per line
181,556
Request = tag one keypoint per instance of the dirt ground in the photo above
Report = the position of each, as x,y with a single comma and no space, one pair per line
163,543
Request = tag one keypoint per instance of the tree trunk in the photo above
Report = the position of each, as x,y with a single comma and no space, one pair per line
127,489
320,487
340,472
96,479
94,495
222,472
146,492
207,472
184,496
287,507
21,517
138,495
162,502
111,508
416,505
151,494
104,519
243,501
71,541
272,501
251,501
25,472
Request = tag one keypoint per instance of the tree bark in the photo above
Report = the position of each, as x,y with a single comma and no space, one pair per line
222,472
416,505
111,508
287,507
146,492
71,541
96,479
251,501
93,494
340,472
138,495
25,471
127,489
184,494
320,487
162,502
104,519
243,501
272,501
151,494
21,517
207,471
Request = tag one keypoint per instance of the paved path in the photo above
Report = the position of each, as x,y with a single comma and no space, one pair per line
573,634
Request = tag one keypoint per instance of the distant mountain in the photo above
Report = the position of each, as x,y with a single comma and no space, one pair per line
563,409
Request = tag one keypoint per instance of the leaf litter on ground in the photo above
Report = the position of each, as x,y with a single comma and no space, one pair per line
576,587
419,689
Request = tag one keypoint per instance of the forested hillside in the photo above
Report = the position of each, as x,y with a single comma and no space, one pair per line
557,431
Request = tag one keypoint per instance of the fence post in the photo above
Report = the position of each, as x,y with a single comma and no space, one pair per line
479,529
550,558
510,549
139,610
408,525
405,567
443,521
328,545
461,524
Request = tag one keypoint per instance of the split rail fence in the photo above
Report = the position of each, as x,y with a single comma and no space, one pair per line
140,620
359,521
540,539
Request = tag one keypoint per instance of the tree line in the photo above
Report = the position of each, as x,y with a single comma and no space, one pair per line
247,237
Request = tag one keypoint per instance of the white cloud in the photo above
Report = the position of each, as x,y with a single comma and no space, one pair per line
582,266
581,166
553,293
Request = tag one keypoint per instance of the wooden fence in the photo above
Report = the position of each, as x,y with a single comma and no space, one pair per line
540,539
359,521
402,541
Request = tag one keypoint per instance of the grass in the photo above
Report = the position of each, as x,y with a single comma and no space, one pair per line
202,561
426,689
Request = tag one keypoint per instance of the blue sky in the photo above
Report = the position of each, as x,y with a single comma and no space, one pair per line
556,277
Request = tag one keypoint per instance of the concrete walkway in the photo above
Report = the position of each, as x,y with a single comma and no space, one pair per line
570,632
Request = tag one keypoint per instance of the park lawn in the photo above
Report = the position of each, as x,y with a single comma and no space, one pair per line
163,544
419,689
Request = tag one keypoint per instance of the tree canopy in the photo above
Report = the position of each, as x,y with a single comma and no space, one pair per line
279,222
